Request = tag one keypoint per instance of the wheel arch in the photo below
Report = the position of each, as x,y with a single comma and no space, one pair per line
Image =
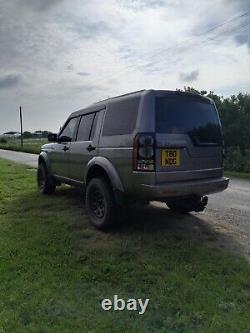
102,166
43,158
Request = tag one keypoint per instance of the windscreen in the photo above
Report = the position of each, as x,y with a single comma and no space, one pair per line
188,115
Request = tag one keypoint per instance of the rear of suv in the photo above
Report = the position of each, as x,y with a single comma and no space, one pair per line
144,146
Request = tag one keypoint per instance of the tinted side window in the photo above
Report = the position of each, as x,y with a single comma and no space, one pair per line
85,127
121,117
69,129
94,126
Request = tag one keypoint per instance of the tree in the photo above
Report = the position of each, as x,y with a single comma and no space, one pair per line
27,135
234,113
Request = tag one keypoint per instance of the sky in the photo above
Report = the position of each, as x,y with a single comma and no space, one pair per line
58,56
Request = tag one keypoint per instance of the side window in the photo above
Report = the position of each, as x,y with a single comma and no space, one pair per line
121,117
94,126
85,127
69,129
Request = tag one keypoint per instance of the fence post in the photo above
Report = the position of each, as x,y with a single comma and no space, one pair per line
21,123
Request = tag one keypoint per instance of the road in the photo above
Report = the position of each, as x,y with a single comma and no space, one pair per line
233,205
228,213
19,157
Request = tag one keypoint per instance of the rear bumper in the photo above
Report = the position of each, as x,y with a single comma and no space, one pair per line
174,189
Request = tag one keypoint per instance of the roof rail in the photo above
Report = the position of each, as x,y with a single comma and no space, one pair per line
131,93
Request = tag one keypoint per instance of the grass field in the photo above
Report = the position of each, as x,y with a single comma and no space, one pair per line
29,145
55,268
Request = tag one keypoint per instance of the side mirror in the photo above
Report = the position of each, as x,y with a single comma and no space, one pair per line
63,138
52,137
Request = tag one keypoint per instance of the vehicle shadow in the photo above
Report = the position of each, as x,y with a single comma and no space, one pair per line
157,221
154,221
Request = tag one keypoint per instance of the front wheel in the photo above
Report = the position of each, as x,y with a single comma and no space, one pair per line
100,203
45,183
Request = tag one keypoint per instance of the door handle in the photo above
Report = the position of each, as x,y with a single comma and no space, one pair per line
90,148
65,148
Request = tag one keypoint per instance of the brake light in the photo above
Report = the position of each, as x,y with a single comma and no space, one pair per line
144,152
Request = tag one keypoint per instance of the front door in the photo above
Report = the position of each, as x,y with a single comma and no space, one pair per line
60,155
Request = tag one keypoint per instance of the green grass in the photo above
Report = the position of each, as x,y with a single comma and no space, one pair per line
243,175
29,145
55,268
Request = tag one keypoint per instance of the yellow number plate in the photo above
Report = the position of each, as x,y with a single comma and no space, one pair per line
170,157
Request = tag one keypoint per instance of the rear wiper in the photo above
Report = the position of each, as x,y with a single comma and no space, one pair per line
208,144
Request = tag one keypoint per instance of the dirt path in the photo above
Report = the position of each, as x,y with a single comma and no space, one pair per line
19,157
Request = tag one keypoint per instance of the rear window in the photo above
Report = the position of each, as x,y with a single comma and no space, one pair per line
121,117
188,115
85,127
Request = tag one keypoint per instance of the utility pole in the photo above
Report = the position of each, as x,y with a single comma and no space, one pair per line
21,123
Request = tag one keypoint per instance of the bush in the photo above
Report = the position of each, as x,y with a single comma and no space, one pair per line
3,140
247,165
235,161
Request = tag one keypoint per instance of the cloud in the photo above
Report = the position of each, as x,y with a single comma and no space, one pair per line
139,4
9,81
83,88
87,28
189,77
83,74
231,23
241,4
243,38
39,5
77,52
69,68
84,24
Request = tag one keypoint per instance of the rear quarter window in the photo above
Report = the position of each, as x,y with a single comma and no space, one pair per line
121,117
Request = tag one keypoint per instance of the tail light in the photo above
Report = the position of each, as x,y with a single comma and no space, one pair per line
144,152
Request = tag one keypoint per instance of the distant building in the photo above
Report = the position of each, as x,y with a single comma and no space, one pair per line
38,134
11,135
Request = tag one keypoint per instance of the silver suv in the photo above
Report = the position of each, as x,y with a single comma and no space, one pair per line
143,146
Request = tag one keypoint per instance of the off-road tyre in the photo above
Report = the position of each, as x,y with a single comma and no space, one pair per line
45,182
100,203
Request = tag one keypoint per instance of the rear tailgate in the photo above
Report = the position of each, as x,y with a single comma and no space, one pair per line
188,138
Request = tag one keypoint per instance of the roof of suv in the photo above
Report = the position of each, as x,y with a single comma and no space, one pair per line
102,104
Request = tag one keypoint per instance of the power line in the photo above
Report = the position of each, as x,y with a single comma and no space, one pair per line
200,44
228,21
174,48
207,31
235,29
224,33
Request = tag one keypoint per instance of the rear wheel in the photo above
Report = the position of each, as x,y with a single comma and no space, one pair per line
45,182
100,203
187,204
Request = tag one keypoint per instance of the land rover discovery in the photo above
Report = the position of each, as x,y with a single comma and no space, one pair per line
143,146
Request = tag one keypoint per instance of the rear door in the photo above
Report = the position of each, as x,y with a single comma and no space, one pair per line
85,145
188,138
